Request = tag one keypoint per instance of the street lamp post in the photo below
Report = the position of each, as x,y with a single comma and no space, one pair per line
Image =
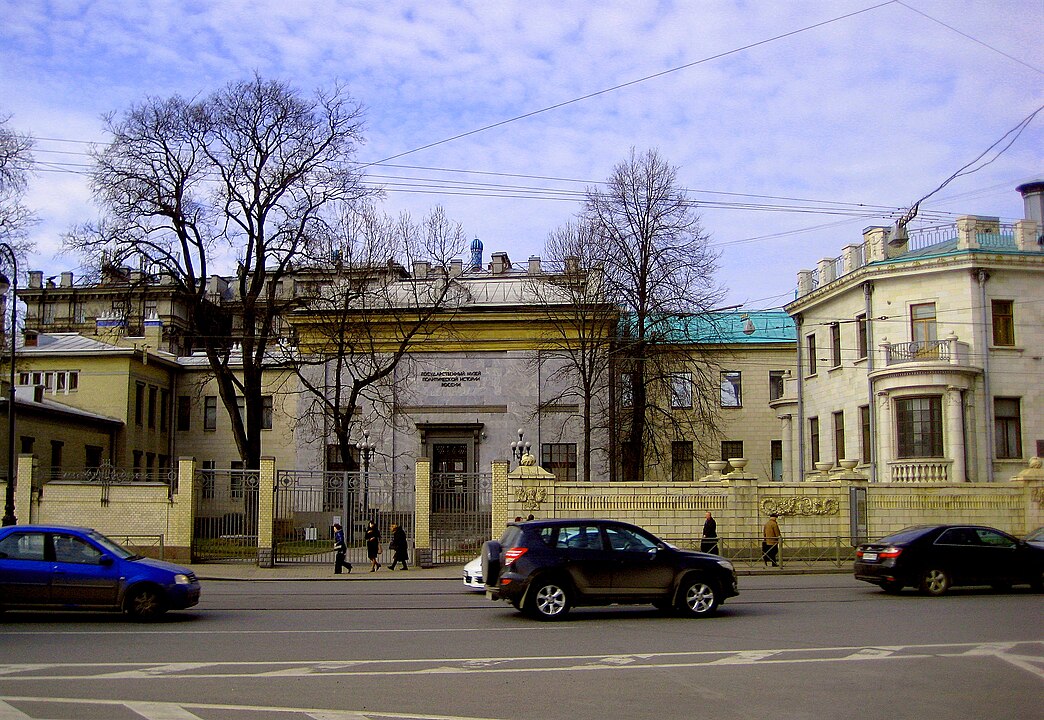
366,449
5,284
520,447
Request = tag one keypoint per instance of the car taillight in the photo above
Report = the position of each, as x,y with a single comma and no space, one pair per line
892,552
514,554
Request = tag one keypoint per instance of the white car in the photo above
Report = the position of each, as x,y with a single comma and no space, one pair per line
473,575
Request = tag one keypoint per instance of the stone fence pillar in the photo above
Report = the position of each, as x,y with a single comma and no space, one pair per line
422,512
24,474
266,513
499,515
177,545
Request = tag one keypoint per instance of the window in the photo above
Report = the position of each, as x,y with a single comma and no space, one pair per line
152,405
56,455
776,454
835,345
137,463
1007,428
922,330
150,464
681,461
681,390
70,549
861,335
919,426
811,343
164,408
92,456
150,309
1004,323
578,537
207,479
266,412
813,439
626,391
560,459
864,426
23,546
27,443
210,412
236,480
839,437
139,403
776,384
731,449
626,540
731,389
184,421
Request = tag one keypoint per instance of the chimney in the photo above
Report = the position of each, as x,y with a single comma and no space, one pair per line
1033,200
67,279
420,269
456,268
35,279
500,263
534,265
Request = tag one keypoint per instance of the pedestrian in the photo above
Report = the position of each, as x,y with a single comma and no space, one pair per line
710,535
399,546
373,545
770,545
341,549
530,517
518,518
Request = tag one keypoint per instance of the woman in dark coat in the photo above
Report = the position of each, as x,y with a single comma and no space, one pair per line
373,545
399,546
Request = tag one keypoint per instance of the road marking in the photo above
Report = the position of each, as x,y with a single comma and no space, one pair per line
157,707
8,712
558,627
524,664
160,711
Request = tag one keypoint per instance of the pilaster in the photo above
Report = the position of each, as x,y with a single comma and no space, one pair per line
266,512
422,513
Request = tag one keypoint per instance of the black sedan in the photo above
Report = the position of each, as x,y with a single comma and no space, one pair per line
934,558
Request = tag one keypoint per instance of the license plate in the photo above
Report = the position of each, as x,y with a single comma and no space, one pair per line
869,556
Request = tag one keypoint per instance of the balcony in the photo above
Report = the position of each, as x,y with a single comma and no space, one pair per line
919,471
948,351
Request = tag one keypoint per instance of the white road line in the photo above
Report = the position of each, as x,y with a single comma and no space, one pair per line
319,631
9,712
160,711
319,713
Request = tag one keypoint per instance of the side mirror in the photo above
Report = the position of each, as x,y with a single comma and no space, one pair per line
105,560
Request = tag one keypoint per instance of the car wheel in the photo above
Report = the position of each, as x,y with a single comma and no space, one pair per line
935,582
698,598
548,600
144,602
892,588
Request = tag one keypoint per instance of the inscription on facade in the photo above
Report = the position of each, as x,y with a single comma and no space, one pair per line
451,378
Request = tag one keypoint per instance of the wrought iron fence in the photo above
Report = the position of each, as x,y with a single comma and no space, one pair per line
461,515
226,504
805,552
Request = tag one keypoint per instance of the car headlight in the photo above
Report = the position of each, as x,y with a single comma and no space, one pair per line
182,579
726,564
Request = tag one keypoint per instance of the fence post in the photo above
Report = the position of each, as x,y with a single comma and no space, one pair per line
24,488
499,514
266,513
422,512
182,518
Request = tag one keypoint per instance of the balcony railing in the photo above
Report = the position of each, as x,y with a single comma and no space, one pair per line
948,350
911,471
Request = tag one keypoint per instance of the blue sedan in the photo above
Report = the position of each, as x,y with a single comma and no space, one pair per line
71,568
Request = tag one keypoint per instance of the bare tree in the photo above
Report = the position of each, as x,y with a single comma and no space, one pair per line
360,327
16,164
578,331
251,174
659,269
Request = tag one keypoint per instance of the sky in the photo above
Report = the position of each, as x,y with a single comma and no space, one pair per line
793,125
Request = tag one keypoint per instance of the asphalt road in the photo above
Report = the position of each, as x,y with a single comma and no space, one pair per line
819,646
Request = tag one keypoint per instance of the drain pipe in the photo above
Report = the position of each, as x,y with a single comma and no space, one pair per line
868,294
800,401
982,277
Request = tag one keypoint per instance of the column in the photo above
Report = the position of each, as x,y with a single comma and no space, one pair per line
885,451
955,433
788,447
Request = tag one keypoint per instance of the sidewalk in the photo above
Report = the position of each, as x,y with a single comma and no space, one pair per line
244,571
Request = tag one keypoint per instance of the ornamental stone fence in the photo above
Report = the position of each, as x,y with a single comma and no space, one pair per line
836,508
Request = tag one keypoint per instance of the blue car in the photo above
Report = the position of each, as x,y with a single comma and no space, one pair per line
71,568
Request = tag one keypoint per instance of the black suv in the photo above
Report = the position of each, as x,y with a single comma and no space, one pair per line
545,567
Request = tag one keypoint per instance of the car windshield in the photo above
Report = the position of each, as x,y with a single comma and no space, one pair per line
112,546
905,535
1037,535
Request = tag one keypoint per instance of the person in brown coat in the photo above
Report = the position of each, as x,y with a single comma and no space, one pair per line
770,545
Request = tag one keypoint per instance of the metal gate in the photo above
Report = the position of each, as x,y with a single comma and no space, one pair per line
308,503
461,515
225,528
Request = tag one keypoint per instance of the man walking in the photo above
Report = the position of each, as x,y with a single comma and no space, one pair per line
710,535
341,548
770,545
